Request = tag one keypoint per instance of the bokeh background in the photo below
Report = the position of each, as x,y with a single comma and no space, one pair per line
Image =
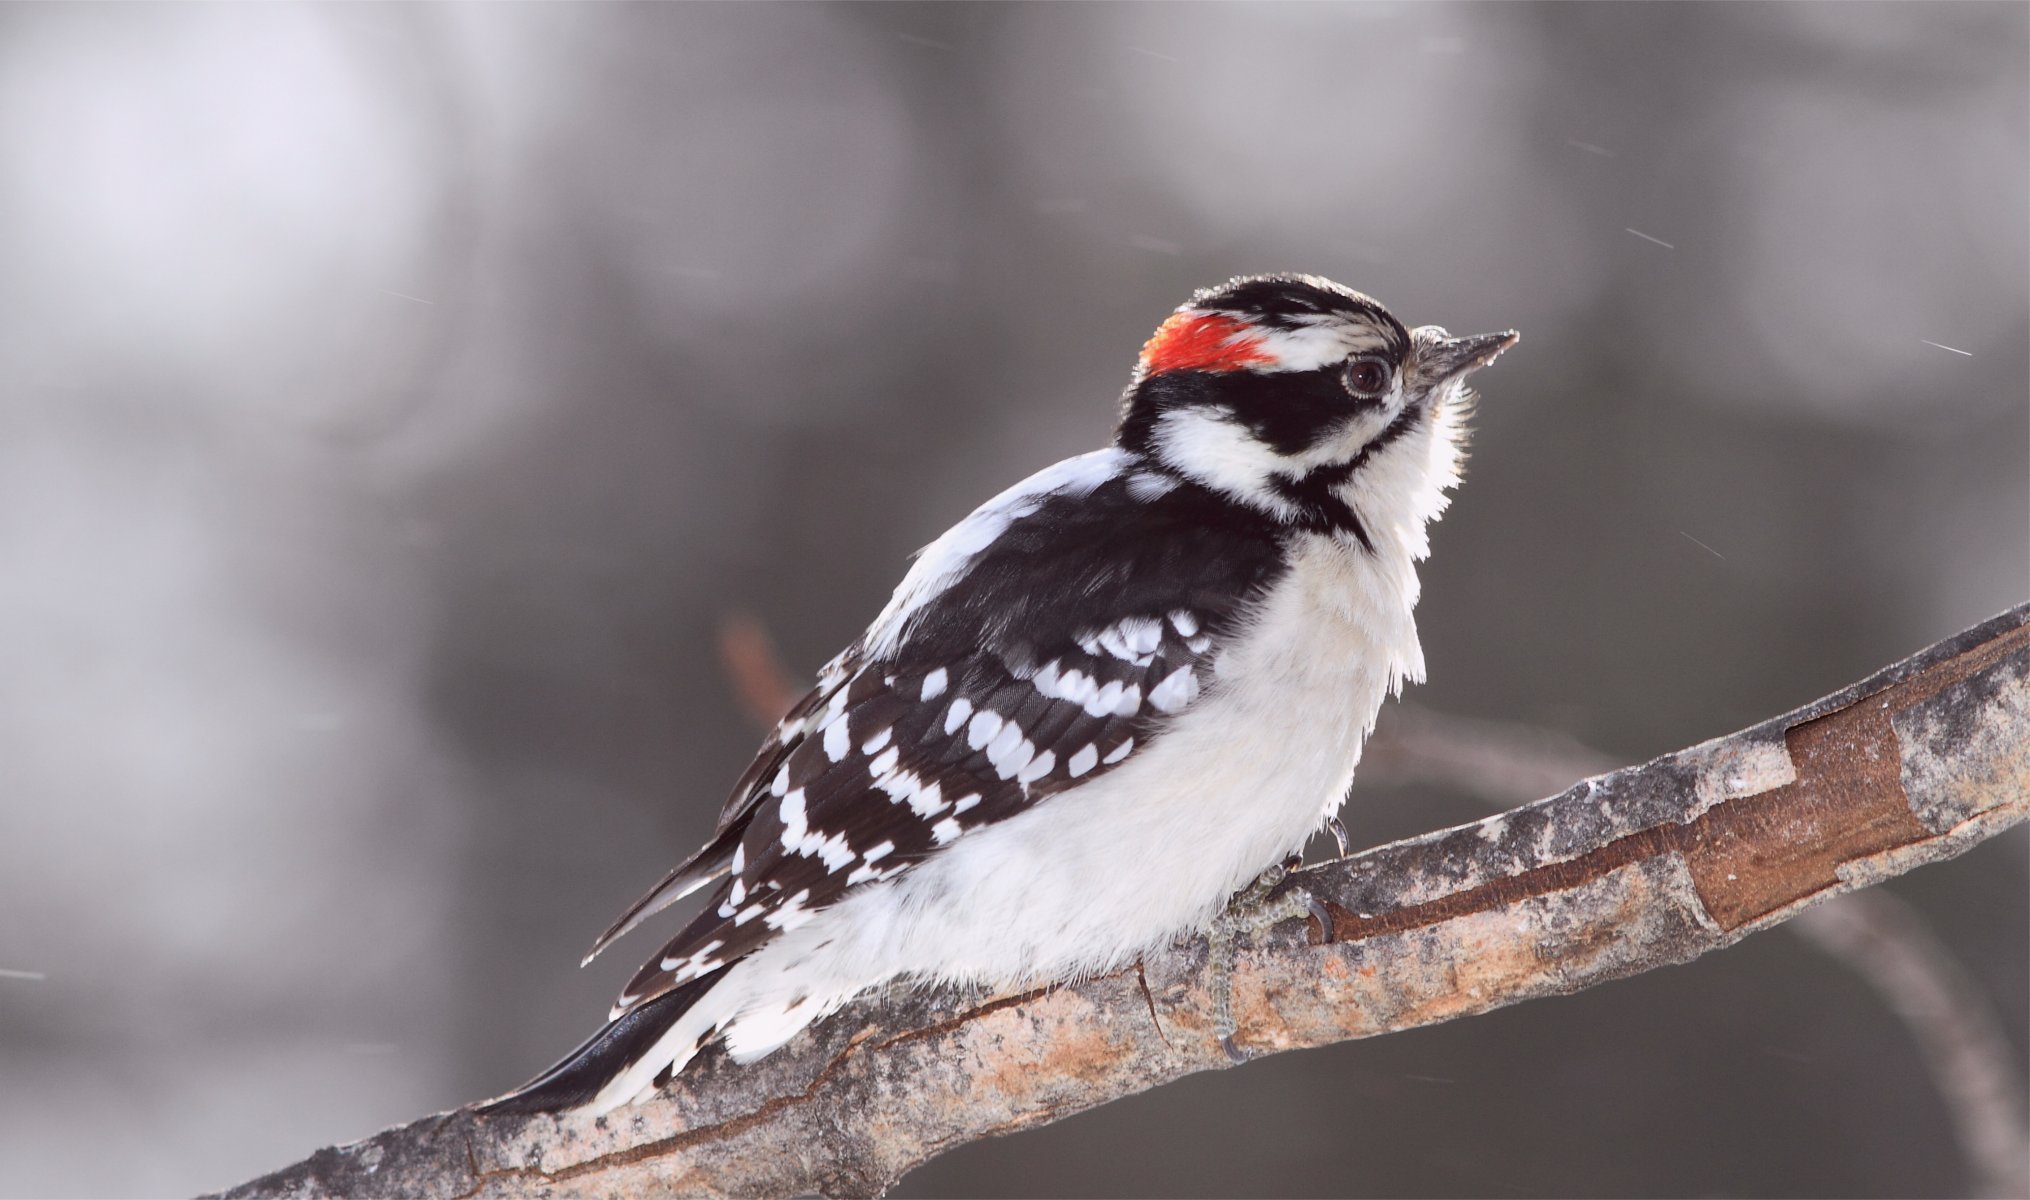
395,400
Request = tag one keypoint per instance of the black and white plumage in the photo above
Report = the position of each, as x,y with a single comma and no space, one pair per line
1093,709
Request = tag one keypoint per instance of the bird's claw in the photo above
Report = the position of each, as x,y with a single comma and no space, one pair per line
1252,911
1339,835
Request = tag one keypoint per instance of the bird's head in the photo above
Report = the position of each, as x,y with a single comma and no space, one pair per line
1279,391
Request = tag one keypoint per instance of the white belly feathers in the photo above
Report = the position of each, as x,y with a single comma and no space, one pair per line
1088,880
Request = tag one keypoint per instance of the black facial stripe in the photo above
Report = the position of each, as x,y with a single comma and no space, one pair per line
1319,508
1291,411
1388,436
1286,410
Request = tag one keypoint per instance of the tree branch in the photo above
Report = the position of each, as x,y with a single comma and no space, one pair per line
1619,874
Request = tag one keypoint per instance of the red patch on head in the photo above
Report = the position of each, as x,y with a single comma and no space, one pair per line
1196,341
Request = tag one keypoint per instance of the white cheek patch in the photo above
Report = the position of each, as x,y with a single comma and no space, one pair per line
1206,446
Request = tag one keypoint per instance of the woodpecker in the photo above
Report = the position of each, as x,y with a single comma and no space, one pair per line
1094,709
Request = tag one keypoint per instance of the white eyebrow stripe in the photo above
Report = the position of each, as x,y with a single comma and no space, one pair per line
1309,347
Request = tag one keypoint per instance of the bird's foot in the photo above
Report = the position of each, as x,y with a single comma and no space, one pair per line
1252,911
1339,836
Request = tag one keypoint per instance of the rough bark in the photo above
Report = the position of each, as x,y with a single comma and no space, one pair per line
1628,871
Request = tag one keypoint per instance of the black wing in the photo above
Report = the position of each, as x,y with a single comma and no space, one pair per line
715,857
1062,651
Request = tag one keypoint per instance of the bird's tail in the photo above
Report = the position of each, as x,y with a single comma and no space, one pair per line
623,1059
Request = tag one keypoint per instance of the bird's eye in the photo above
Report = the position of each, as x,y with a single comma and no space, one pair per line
1367,378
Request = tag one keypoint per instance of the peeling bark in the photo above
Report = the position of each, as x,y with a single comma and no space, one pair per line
1636,869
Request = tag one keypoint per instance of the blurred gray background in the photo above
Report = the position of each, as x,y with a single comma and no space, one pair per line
395,400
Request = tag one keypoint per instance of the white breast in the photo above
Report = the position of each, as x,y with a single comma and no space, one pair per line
1095,876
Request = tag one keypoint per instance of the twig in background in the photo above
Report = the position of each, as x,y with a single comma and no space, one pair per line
1885,942
763,686
1500,763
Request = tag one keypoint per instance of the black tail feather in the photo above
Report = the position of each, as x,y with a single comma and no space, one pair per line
578,1078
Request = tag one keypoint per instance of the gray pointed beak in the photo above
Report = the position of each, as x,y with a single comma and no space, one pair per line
1440,356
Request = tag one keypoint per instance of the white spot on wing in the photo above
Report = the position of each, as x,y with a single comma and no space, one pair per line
1009,752
984,727
1038,767
877,741
799,838
837,740
927,800
946,831
693,963
961,709
1088,687
791,914
934,684
1085,760
1142,634
1119,752
1178,689
901,786
837,855
791,810
1072,686
1004,742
